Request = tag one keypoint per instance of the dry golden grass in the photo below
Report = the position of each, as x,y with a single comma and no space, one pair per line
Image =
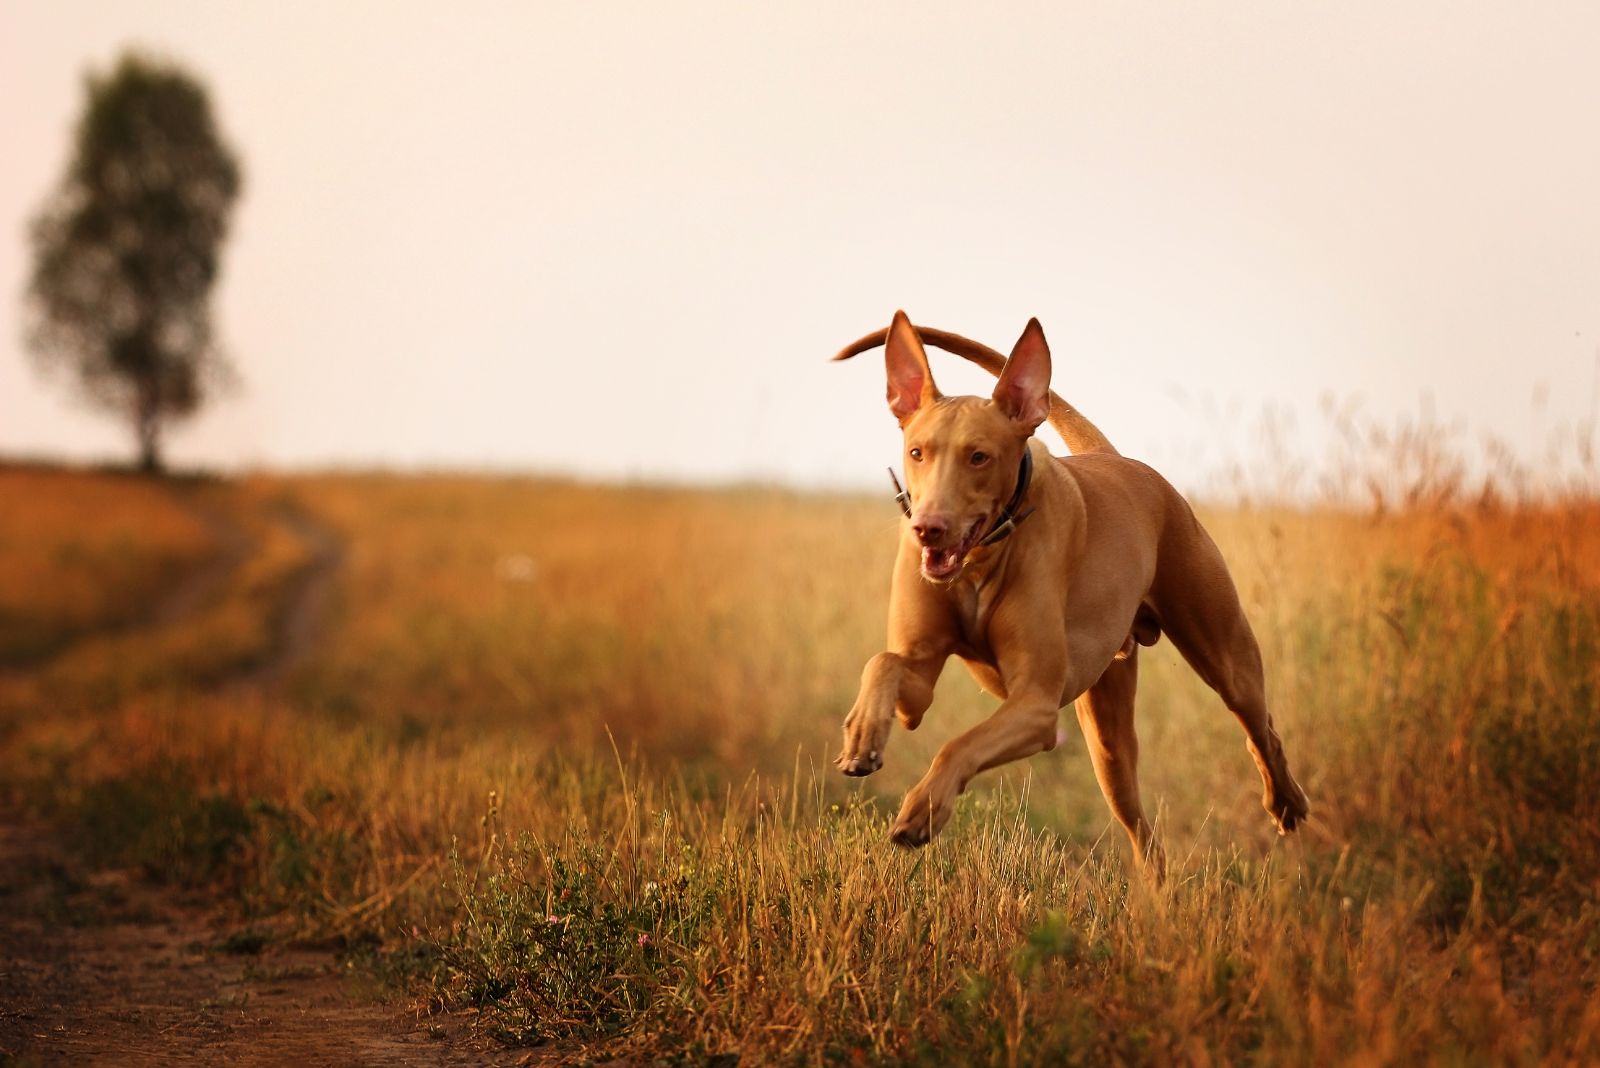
439,785
84,552
693,625
227,583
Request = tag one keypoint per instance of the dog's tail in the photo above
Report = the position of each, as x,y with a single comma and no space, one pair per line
1079,434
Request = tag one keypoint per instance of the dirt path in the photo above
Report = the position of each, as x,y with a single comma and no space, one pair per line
305,602
105,968
109,968
207,580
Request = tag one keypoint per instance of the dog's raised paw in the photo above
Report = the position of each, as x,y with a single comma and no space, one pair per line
859,766
1287,806
1290,818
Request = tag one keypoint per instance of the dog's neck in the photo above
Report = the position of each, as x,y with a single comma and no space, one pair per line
1009,517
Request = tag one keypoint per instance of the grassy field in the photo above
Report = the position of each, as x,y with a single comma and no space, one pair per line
559,758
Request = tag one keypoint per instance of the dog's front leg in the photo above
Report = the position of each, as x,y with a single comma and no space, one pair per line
1024,724
891,684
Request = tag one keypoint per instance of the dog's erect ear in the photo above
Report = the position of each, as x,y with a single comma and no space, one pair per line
1023,391
910,382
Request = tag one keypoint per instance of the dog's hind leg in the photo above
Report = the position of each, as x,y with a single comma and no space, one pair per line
1242,686
1200,611
1105,712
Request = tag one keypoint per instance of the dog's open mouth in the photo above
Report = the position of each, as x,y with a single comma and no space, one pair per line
944,564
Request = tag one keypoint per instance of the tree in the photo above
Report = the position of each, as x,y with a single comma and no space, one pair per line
127,249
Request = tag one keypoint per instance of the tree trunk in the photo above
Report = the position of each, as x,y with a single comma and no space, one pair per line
149,454
147,425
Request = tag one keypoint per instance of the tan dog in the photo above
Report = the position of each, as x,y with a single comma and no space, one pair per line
1044,583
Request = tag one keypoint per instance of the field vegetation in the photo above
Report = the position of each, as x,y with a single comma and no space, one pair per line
560,759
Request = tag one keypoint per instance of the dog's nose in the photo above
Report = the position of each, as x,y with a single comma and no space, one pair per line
930,530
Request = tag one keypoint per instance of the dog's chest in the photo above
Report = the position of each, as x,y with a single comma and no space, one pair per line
973,603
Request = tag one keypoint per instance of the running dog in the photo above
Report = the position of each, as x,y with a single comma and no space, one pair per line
1043,575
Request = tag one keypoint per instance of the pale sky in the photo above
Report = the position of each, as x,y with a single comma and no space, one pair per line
622,239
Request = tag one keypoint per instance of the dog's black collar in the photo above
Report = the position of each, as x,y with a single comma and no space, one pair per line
902,497
1008,518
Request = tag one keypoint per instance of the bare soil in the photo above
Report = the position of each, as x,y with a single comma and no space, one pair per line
109,968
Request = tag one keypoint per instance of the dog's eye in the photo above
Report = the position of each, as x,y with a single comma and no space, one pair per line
979,458
916,454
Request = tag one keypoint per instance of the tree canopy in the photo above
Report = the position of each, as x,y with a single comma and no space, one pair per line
128,247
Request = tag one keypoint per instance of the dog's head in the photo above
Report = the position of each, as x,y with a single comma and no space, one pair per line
962,454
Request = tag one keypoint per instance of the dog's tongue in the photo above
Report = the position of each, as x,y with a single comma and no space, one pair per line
939,562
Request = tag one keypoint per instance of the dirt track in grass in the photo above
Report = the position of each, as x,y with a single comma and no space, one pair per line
109,967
